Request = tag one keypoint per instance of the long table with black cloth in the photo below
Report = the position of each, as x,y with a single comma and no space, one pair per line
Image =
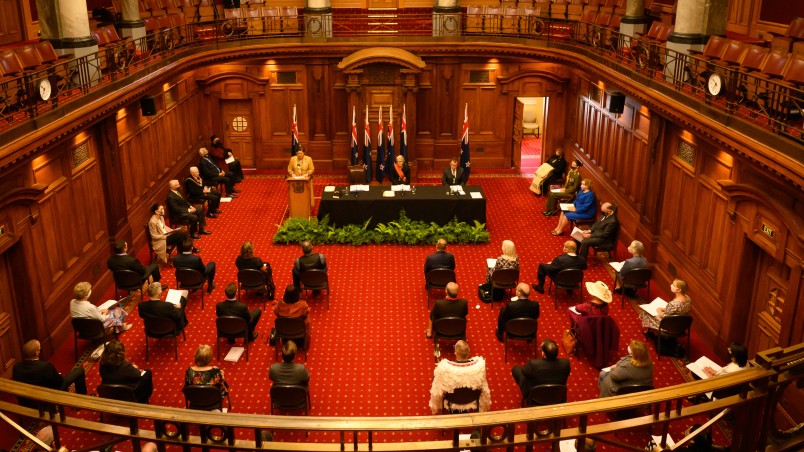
427,203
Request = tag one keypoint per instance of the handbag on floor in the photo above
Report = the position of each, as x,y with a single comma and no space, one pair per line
484,292
569,342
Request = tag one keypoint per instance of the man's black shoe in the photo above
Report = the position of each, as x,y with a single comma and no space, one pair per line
195,236
211,215
164,287
618,290
210,287
546,213
234,190
232,195
217,211
538,288
205,232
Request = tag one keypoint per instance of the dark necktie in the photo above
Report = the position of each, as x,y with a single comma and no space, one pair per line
213,164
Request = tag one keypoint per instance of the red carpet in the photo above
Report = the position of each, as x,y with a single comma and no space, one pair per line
369,355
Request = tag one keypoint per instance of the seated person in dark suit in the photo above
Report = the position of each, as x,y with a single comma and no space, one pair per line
548,370
287,372
308,261
214,174
562,262
115,370
451,306
34,371
454,174
604,231
154,307
440,259
180,209
188,260
122,261
636,248
521,307
248,261
399,173
234,308
220,153
198,192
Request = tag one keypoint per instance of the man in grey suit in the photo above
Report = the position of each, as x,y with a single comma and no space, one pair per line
287,372
548,370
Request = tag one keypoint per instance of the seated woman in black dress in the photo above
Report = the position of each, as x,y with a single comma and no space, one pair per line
248,261
114,369
204,374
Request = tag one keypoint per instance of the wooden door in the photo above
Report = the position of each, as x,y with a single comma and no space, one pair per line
770,295
9,334
10,22
516,155
239,130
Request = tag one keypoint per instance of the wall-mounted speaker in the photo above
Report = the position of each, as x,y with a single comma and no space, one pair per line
616,102
148,106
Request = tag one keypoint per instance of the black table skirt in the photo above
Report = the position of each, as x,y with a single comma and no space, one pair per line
429,203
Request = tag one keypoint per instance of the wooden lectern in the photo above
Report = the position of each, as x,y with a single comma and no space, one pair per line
300,197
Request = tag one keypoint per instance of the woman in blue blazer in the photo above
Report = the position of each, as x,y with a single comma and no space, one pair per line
582,209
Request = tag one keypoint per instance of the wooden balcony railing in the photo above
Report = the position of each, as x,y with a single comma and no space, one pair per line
756,390
768,103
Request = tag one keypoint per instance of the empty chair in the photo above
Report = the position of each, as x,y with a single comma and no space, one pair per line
160,328
190,279
448,328
90,330
291,328
315,280
231,328
568,279
290,19
761,86
204,398
290,398
674,326
492,21
634,279
699,59
272,20
29,58
474,19
254,21
438,279
510,20
794,32
128,280
733,54
520,329
234,24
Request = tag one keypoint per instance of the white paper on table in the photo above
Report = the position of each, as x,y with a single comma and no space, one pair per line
234,354
230,160
577,234
617,266
653,306
658,440
491,262
566,206
388,194
476,195
174,296
698,366
329,189
226,199
456,189
400,187
359,187
573,310
107,304
557,190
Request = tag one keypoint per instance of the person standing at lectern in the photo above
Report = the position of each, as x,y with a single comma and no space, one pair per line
302,165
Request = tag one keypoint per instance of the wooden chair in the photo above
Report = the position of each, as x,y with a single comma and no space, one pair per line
520,329
159,328
231,328
291,328
448,328
190,279
438,279
674,326
567,279
315,280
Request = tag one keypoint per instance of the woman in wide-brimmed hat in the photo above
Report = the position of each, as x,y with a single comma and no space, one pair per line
597,305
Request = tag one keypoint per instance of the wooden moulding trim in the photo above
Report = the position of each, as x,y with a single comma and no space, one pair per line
24,196
382,55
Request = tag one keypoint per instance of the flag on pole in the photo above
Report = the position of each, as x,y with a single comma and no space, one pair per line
389,159
294,134
380,149
354,138
367,149
465,143
403,136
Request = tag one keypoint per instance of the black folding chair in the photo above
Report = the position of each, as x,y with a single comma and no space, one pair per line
634,279
162,327
290,328
520,329
674,326
127,280
251,279
230,327
315,280
438,279
290,398
504,278
448,328
204,398
190,279
567,279
90,330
